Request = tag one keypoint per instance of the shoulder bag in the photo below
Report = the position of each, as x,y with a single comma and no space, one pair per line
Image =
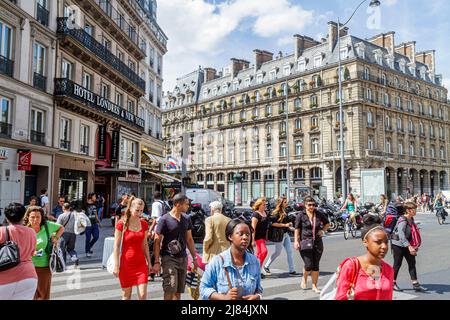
9,253
111,264
49,247
329,291
308,244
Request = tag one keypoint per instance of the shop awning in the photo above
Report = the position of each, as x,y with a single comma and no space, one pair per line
155,158
163,176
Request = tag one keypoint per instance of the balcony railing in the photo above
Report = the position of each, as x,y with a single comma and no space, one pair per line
39,81
37,137
5,129
337,154
68,88
6,66
84,149
64,145
42,15
87,41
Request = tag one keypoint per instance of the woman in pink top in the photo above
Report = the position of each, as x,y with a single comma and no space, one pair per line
20,282
368,277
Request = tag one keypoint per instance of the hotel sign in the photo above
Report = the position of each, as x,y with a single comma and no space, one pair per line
66,87
106,105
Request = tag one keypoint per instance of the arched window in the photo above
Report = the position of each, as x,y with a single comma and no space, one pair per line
233,102
316,173
366,74
411,149
268,110
200,177
369,118
442,152
388,145
400,147
432,152
370,142
298,104
209,177
220,177
256,175
422,151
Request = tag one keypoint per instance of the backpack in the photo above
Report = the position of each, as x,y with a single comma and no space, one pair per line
416,239
393,212
165,207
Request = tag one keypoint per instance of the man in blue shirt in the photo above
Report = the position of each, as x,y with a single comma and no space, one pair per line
58,209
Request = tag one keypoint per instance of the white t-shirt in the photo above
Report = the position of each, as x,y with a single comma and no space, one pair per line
44,201
157,210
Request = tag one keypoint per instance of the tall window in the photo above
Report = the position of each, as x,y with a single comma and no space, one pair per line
39,58
5,111
421,128
315,146
283,150
442,153
298,148
369,118
84,139
5,40
432,152
301,66
104,90
366,74
66,69
64,133
298,103
269,150
317,62
314,122
370,143
87,81
422,151
388,145
298,124
411,149
268,110
106,43
119,99
400,148
89,29
131,107
37,120
128,151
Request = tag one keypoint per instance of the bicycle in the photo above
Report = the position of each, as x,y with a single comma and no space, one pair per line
349,226
441,214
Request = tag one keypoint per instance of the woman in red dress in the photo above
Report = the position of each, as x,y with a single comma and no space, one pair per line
368,277
134,256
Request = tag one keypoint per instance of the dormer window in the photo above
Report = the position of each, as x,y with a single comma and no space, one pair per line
413,71
259,79
360,51
402,66
344,53
287,70
235,85
318,61
225,88
247,82
273,75
205,94
379,59
302,66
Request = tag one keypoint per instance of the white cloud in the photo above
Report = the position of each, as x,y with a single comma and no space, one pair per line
389,3
446,83
197,29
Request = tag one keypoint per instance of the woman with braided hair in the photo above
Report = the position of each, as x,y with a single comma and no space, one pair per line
368,277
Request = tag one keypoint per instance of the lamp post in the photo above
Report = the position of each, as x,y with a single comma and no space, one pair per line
287,144
373,4
237,178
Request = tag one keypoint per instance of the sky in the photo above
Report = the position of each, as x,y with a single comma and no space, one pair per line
209,33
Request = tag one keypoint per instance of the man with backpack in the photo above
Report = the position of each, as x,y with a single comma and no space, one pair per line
159,208
67,219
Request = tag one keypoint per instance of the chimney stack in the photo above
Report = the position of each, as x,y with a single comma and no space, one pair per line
385,40
238,65
407,49
209,74
260,57
302,43
428,58
332,35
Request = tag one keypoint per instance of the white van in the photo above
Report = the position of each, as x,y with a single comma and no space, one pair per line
204,197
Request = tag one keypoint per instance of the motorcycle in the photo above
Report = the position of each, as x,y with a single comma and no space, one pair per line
197,216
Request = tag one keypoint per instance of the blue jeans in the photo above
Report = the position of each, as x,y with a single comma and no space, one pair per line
100,214
94,233
286,243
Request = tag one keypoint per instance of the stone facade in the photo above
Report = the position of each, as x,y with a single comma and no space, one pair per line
395,114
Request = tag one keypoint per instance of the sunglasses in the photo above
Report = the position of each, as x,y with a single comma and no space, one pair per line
310,204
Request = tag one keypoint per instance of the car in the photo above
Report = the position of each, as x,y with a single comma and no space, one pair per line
204,197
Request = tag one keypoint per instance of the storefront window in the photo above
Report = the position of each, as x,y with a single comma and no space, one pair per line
73,184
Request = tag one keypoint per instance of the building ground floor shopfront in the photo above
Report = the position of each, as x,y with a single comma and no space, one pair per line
322,180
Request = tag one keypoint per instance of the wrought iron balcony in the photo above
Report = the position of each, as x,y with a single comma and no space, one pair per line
37,137
87,41
42,15
68,88
5,129
64,145
84,149
6,66
39,81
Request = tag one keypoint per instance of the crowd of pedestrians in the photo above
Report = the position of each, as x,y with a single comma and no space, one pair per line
235,252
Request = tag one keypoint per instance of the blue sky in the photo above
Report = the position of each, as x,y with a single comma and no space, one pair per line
210,32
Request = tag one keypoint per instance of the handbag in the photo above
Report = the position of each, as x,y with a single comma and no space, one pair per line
308,244
111,264
275,234
9,253
329,294
193,283
56,262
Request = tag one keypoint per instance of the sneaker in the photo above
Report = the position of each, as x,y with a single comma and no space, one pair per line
397,288
263,276
418,288
73,258
88,255
294,273
267,270
91,252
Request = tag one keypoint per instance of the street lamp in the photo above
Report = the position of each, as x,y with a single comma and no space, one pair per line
373,4
237,178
